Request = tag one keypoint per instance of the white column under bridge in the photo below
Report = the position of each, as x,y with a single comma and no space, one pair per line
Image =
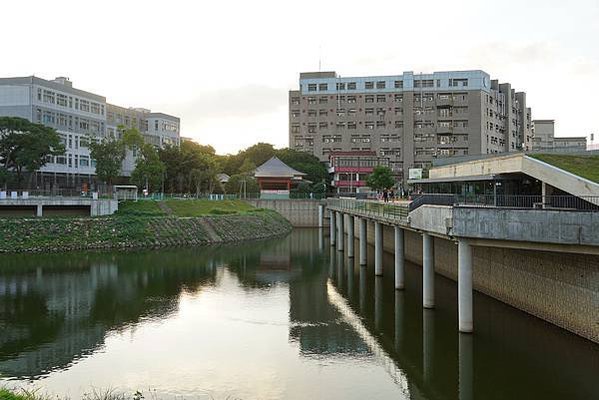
378,248
428,271
350,236
363,241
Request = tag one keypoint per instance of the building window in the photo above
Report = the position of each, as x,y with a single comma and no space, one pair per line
351,86
369,85
380,85
398,84
295,113
323,113
351,99
369,124
340,86
398,98
369,111
323,100
380,98
312,87
311,113
351,125
323,86
295,101
311,100
369,99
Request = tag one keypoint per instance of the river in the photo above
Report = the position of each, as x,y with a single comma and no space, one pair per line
289,318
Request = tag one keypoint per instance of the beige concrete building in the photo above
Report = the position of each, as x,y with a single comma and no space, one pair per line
410,118
544,138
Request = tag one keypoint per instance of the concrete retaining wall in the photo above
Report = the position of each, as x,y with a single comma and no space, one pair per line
301,213
562,288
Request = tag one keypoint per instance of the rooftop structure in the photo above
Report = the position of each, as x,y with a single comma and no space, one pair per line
544,138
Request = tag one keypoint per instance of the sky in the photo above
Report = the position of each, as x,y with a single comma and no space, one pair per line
225,67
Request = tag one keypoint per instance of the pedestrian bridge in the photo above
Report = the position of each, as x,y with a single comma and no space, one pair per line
469,225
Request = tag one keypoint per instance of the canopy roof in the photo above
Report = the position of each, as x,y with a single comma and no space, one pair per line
275,168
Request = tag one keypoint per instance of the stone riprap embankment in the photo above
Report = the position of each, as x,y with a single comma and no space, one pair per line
19,235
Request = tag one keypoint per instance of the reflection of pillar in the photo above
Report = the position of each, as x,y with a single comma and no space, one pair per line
465,367
465,321
332,262
332,226
399,259
428,272
350,236
428,343
399,318
378,302
350,278
378,248
320,215
341,233
340,267
320,240
362,290
363,241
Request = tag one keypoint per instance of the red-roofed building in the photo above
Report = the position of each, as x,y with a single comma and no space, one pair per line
276,179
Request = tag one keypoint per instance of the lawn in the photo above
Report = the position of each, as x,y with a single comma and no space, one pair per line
196,208
183,208
584,166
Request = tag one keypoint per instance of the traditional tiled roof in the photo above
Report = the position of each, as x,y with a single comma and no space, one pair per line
275,168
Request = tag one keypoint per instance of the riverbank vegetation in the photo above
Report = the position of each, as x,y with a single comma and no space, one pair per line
144,224
24,394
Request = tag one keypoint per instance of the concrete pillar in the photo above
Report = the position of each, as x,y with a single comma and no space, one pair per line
399,259
39,210
320,215
350,236
378,302
341,233
428,272
465,367
332,262
320,240
378,249
465,322
363,242
332,226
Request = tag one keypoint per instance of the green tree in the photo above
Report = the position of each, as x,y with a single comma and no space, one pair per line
236,185
149,170
309,164
109,154
381,178
25,146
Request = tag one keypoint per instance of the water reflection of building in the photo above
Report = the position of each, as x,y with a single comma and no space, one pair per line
55,310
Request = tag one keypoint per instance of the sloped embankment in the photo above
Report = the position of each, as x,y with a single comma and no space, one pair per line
126,232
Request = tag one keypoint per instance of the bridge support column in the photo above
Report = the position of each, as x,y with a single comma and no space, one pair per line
350,236
428,272
465,322
39,210
378,248
320,215
332,226
399,259
363,241
341,233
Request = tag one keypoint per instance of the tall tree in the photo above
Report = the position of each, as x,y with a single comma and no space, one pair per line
25,146
149,170
381,178
109,154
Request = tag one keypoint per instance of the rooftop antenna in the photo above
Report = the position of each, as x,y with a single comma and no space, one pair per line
319,58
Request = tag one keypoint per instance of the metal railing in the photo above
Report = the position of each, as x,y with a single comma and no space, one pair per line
548,202
372,209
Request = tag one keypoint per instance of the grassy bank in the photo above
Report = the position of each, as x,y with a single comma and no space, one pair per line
584,166
6,394
144,224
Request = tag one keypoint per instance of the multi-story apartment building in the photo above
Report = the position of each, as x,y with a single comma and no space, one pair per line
409,118
79,117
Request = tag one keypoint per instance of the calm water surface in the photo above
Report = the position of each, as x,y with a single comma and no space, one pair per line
289,318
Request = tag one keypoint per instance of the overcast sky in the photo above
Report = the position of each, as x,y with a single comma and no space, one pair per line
225,67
